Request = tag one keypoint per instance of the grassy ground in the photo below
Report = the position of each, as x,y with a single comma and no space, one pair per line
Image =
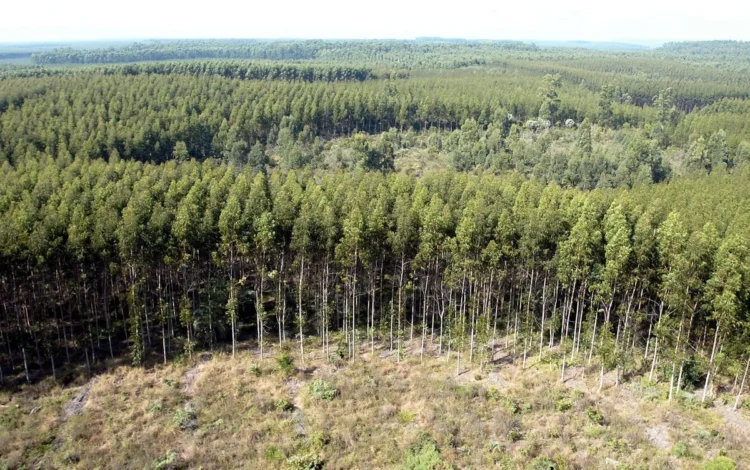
215,411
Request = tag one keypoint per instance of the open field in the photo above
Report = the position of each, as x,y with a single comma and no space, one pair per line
215,411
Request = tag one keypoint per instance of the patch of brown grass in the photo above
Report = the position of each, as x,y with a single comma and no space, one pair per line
243,412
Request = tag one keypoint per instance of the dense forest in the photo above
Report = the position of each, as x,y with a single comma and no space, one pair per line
577,205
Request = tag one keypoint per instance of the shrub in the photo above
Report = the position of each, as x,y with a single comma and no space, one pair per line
563,404
649,390
342,352
306,461
155,407
322,390
467,392
318,439
594,415
166,462
255,370
185,418
515,435
680,449
274,454
617,445
543,463
285,363
509,403
720,463
424,455
405,417
284,405
706,434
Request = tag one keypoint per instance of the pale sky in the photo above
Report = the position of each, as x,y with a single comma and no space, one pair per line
593,20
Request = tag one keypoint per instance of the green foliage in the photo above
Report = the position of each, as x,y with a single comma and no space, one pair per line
405,417
515,435
509,403
155,407
594,415
322,390
543,463
285,363
305,461
185,418
256,370
424,454
720,463
681,449
172,204
167,462
273,454
284,405
563,404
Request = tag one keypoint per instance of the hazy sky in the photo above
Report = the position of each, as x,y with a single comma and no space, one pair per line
597,20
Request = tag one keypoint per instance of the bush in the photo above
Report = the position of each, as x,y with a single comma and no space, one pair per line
720,463
515,435
563,404
706,434
594,415
322,390
274,454
166,462
510,404
155,407
284,405
681,449
543,463
255,370
185,418
307,461
424,455
342,352
405,417
285,363
649,390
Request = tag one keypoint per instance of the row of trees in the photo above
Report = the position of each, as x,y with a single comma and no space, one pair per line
407,53
236,69
143,116
161,259
639,79
708,50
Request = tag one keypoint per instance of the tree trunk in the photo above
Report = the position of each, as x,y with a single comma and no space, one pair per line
710,364
742,385
299,306
544,311
26,365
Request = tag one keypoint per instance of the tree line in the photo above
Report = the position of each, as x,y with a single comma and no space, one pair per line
156,260
407,52
235,69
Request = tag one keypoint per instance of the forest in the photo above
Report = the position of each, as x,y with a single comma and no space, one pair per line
580,207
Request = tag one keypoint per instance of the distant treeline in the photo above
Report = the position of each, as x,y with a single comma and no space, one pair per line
242,70
14,55
413,53
708,49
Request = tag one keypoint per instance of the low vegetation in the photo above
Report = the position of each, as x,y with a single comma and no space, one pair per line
375,413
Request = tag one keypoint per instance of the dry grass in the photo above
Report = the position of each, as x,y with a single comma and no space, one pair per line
245,413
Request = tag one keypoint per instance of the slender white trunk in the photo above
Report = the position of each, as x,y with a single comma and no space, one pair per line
544,311
299,309
742,385
710,364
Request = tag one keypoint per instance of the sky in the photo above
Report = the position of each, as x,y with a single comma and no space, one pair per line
591,20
